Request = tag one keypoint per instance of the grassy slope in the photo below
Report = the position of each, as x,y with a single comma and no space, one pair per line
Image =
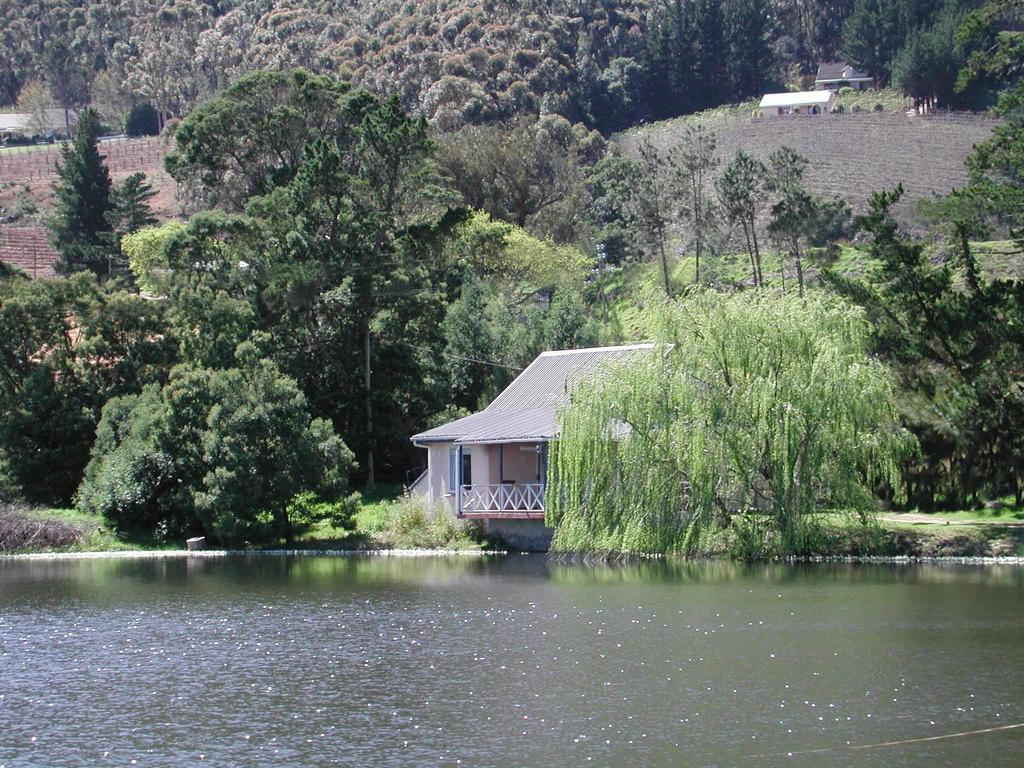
627,288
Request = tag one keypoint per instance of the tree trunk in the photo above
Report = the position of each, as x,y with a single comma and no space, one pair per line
664,263
757,250
799,266
750,253
696,264
370,477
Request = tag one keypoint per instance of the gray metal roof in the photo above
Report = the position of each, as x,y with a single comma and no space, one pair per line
494,427
837,71
525,410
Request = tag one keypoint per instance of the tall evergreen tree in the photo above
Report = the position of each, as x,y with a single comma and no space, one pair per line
748,25
709,42
129,205
79,227
695,163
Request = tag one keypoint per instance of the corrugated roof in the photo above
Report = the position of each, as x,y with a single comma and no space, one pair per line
525,410
796,98
495,427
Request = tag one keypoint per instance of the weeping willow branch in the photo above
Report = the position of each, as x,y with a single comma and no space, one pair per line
765,406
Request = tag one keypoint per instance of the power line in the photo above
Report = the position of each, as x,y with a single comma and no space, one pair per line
460,357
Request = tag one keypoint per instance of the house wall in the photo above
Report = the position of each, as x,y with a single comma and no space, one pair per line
437,475
521,463
481,463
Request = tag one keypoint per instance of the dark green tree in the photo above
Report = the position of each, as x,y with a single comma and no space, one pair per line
794,208
749,26
222,452
79,228
129,205
66,347
959,349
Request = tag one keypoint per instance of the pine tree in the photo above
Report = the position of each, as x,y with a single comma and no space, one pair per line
129,205
695,162
709,29
748,24
741,194
79,228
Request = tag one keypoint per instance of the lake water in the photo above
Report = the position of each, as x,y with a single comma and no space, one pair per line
507,661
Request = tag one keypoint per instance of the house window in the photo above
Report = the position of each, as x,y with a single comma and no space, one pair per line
467,468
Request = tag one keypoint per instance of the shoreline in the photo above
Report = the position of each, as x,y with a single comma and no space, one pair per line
590,559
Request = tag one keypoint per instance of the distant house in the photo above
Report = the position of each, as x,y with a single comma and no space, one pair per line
798,103
48,124
834,75
492,466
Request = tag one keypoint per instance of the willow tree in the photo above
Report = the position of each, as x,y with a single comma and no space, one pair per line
764,404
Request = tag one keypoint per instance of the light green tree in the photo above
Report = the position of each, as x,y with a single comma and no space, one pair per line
764,404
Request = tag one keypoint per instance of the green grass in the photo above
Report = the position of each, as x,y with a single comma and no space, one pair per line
891,100
386,519
627,287
97,534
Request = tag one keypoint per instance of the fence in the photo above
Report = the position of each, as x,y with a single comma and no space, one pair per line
122,156
28,249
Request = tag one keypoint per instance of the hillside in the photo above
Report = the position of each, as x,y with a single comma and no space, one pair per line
607,64
626,289
851,155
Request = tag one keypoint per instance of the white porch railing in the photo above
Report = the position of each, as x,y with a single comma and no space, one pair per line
525,497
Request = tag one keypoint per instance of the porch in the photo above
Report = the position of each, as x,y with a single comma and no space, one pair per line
502,480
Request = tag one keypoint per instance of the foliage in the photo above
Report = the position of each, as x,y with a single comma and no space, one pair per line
232,453
958,351
513,259
694,165
129,205
742,191
766,403
144,252
79,227
66,347
142,120
410,523
528,173
34,100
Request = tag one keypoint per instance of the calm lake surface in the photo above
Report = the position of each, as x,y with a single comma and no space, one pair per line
507,661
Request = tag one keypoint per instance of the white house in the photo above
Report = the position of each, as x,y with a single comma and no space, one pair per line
48,124
492,466
833,75
798,103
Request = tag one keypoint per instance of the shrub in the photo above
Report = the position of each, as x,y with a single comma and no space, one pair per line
411,523
232,453
142,120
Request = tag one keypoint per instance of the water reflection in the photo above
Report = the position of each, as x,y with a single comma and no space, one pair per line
512,660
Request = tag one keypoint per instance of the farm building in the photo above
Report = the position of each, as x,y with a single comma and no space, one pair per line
834,75
492,465
49,123
798,103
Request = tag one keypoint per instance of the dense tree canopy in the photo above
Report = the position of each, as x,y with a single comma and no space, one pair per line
607,65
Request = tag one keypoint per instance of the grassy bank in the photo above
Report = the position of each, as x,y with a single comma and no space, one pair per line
383,520
386,521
